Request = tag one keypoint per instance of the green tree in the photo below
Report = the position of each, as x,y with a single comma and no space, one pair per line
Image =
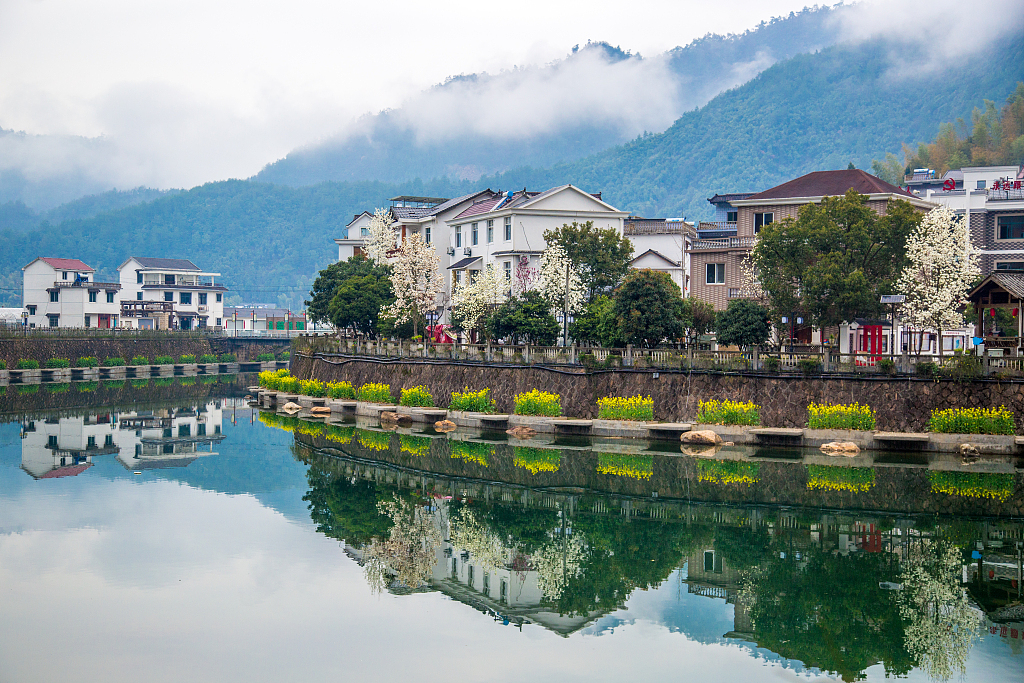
601,255
834,261
698,318
327,282
743,323
358,299
597,325
889,169
525,319
648,308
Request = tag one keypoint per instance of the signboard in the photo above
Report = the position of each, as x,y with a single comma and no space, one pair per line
893,299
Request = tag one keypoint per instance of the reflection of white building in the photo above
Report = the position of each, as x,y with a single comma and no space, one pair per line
66,446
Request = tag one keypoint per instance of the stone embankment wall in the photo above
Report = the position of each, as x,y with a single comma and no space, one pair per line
72,348
902,404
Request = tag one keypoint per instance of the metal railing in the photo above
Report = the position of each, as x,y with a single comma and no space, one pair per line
724,243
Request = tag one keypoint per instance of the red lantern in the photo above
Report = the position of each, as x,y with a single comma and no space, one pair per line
992,312
1015,313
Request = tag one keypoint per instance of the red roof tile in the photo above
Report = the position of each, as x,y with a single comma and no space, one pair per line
69,471
829,184
66,263
479,208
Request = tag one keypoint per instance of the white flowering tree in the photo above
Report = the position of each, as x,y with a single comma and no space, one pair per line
942,265
473,300
468,532
409,553
382,237
416,281
558,562
560,284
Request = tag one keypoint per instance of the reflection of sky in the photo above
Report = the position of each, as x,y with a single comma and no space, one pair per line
112,577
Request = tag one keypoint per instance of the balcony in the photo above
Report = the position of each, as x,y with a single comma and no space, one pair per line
84,284
723,244
1014,194
145,309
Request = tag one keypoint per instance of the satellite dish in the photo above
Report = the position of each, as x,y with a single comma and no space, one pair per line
949,185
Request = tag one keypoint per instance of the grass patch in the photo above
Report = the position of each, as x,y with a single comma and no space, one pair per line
851,416
972,421
637,408
538,402
832,478
729,413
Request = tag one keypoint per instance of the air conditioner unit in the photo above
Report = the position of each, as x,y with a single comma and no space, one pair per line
467,251
451,251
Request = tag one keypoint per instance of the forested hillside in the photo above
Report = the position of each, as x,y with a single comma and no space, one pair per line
16,216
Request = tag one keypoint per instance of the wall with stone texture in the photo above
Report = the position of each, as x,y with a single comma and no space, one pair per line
902,404
42,350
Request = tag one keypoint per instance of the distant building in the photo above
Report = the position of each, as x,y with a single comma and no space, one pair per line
249,321
662,244
62,292
166,293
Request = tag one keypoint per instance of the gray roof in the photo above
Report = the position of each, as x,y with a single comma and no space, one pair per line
1011,282
167,263
459,265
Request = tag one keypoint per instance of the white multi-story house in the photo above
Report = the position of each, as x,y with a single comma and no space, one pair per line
166,293
62,292
662,244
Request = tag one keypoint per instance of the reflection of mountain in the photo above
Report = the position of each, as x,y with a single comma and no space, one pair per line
812,589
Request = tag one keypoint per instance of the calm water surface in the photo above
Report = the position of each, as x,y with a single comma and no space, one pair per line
188,539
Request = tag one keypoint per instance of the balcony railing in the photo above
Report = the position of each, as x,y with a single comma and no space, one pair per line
725,243
716,225
1006,195
86,284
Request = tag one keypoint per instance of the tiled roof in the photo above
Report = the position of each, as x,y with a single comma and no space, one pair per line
460,265
730,197
478,208
406,212
167,263
68,471
441,208
829,184
1011,282
66,263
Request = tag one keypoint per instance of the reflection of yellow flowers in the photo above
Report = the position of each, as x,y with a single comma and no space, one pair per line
626,465
537,459
620,408
829,416
414,445
342,435
727,471
973,484
377,441
729,413
831,478
972,421
278,421
472,452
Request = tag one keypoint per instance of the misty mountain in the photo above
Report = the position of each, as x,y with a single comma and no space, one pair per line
18,217
482,124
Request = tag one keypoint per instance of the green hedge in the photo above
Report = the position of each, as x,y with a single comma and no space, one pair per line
87,362
227,358
163,360
187,359
140,360
114,362
57,363
26,364
265,357
207,358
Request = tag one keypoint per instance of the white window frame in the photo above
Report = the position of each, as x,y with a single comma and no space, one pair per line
717,269
475,232
426,234
458,236
490,231
767,218
508,228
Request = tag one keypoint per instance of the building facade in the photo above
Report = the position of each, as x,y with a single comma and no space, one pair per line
262,321
164,293
62,292
662,244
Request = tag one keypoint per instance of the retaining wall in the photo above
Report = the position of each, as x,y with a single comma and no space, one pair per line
902,404
72,348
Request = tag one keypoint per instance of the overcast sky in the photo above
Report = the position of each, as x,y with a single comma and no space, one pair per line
192,91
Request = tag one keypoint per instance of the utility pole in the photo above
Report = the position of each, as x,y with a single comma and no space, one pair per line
565,309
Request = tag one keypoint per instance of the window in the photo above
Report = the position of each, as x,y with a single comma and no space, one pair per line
1010,227
88,321
184,430
981,184
731,216
487,583
490,231
202,298
508,271
476,234
715,274
168,296
426,234
54,320
201,429
761,220
168,279
92,297
1010,265
108,440
734,292
508,228
51,441
55,296
110,297
458,277
138,296
31,310
364,232
138,276
219,297
64,275
186,298
219,323
458,236
709,560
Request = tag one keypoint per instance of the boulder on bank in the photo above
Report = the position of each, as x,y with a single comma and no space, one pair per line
847,448
320,411
445,426
521,432
291,408
703,436
395,418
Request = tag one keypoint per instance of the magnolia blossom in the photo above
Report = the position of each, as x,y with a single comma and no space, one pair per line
560,283
473,300
409,553
558,562
469,533
415,279
943,264
382,237
750,282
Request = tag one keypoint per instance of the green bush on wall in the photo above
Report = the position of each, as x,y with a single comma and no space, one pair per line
538,402
140,360
187,359
58,363
3,365
341,390
265,357
26,364
375,393
227,358
285,355
87,362
114,362
163,360
207,358
416,397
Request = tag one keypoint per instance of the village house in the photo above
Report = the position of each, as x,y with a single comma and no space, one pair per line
167,293
62,292
262,321
662,244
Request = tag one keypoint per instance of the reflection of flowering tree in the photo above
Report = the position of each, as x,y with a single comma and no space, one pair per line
941,624
408,555
469,532
558,562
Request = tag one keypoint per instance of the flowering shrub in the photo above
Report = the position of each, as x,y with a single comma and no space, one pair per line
729,413
472,452
626,465
473,401
728,471
375,393
188,358
418,397
288,384
265,357
341,390
829,416
207,358
619,408
163,360
312,387
140,360
114,362
972,484
87,362
228,358
539,402
414,445
26,364
537,459
58,363
377,441
832,478
972,421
